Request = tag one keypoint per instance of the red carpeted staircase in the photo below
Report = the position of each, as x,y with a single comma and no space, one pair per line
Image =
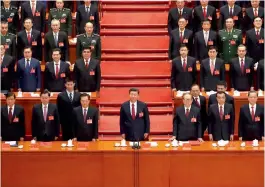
135,54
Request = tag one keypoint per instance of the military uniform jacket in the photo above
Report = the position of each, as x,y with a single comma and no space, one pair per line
10,16
9,42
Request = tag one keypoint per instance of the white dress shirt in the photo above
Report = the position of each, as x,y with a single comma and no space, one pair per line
87,61
30,32
212,61
34,5
257,10
26,62
13,107
68,93
223,108
229,7
250,108
198,99
46,109
83,109
240,61
135,107
186,60
187,108
205,9
182,32
206,35
55,66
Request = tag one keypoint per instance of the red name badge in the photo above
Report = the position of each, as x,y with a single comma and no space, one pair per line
82,145
5,146
193,120
141,114
210,42
51,118
16,120
190,69
185,41
261,41
32,70
91,18
210,18
62,75
9,20
89,121
91,73
92,47
63,20
216,72
61,44
6,46
227,116
34,43
5,70
37,14
235,17
248,70
257,118
232,42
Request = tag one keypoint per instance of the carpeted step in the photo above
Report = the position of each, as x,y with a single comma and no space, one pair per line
132,2
122,8
133,32
135,57
136,83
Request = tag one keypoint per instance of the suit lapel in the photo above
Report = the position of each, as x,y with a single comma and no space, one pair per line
182,114
128,110
248,112
41,113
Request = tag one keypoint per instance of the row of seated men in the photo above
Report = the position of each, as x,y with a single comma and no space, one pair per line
79,121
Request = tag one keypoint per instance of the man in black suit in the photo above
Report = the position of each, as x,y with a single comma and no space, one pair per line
212,71
36,11
45,121
180,36
231,10
260,75
87,73
251,119
56,72
255,41
85,120
8,40
12,120
183,71
252,12
134,118
241,71
7,70
202,12
200,102
175,13
87,13
221,120
66,102
187,121
203,40
29,37
56,39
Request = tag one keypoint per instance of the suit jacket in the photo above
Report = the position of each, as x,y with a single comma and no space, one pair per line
255,45
87,79
173,17
249,17
36,43
50,128
203,112
187,128
237,16
249,129
82,17
29,79
16,129
88,130
228,99
38,18
180,79
52,83
175,42
241,81
49,45
7,72
200,47
209,81
221,129
260,75
134,130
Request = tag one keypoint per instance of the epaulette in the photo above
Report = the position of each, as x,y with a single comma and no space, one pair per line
11,34
238,30
95,34
78,35
53,9
66,9
13,7
223,30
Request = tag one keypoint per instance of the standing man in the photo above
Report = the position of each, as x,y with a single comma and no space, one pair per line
241,71
229,40
89,39
87,73
9,14
66,102
212,71
45,121
251,119
183,71
29,37
85,120
12,120
260,75
56,72
252,12
29,73
187,121
221,120
8,40
134,118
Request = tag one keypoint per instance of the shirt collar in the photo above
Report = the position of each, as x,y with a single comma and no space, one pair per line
30,31
231,7
241,59
257,29
182,31
69,92
85,109
26,59
250,106
206,31
181,9
187,108
11,107
183,58
58,62
212,60
133,103
55,33
45,105
198,98
256,8
87,60
205,7
220,106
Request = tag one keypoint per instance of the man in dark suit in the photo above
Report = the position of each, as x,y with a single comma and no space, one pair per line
241,71
221,120
85,120
231,10
29,72
12,120
56,72
36,11
45,121
134,118
180,36
87,13
29,37
251,119
7,70
187,121
255,41
56,39
87,73
203,40
212,71
66,102
178,12
183,71
202,12
260,75
9,14
8,40
252,12
199,101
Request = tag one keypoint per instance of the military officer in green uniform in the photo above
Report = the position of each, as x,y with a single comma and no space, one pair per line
8,40
10,15
63,15
229,40
89,39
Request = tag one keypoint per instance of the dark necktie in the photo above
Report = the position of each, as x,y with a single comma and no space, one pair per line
85,112
187,112
57,70
221,113
184,64
257,34
133,112
231,12
45,113
256,12
27,65
204,12
252,113
10,115
242,66
86,63
71,97
56,39
180,12
197,102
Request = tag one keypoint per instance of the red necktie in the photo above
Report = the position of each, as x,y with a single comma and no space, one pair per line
187,112
133,112
212,67
184,64
257,34
204,12
29,37
10,115
181,37
256,12
86,64
197,102
221,113
45,113
85,113
242,66
252,113
57,71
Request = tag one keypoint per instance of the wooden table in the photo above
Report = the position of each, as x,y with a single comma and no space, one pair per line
100,164
27,101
